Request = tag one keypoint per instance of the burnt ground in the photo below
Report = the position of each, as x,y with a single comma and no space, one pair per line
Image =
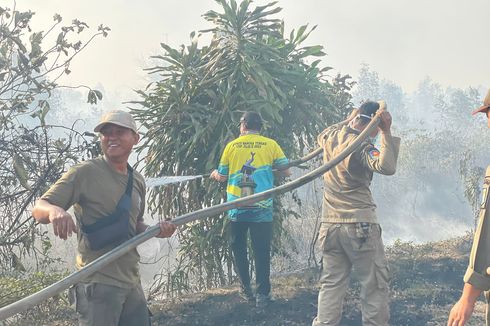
295,304
426,281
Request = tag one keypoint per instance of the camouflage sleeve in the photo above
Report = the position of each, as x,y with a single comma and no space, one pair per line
476,273
381,160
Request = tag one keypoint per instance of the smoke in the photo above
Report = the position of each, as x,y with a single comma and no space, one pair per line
435,193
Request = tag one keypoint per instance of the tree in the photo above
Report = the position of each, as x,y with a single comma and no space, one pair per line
192,111
31,158
370,87
440,166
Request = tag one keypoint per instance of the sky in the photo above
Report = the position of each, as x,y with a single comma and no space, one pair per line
403,40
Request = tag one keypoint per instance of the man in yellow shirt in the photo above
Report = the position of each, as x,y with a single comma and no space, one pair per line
247,162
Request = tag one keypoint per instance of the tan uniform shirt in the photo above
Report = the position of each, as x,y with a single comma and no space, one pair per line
94,188
347,197
476,274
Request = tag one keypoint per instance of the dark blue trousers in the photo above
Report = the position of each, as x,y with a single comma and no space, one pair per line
261,236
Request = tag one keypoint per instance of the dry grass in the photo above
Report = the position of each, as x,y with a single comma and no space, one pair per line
427,280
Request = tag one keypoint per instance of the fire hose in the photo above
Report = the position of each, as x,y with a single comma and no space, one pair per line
104,260
168,180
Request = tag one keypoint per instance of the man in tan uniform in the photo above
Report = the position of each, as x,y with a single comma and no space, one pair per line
350,234
109,202
477,278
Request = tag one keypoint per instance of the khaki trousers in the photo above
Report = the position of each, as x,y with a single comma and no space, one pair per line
261,236
100,304
358,246
487,308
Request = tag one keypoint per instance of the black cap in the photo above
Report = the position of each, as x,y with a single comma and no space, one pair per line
369,108
252,120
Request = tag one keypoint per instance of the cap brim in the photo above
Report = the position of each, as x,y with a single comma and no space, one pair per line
102,124
482,109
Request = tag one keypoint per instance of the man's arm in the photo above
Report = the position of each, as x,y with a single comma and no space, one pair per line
167,228
218,177
284,173
45,213
462,310
478,269
384,160
221,173
476,278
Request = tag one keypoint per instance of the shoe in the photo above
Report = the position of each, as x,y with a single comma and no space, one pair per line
262,300
247,295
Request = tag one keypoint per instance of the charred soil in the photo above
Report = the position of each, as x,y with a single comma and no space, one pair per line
426,282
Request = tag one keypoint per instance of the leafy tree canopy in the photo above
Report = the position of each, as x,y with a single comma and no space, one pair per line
31,158
192,110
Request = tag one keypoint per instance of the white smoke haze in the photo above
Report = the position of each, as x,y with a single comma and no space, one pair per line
404,41
442,153
441,163
441,150
435,192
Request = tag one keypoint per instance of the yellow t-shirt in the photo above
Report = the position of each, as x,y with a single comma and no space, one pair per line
94,188
263,154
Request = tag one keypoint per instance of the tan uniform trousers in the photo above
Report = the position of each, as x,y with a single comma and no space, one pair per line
100,304
358,246
487,310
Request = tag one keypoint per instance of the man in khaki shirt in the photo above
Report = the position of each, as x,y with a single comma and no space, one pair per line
477,278
109,202
350,235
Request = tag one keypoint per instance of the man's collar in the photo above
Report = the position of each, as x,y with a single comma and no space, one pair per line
351,130
249,132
